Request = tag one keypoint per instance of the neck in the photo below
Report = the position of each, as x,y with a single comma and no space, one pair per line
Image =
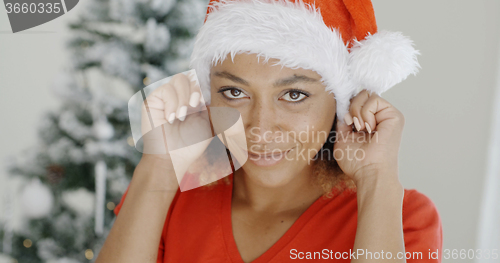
298,194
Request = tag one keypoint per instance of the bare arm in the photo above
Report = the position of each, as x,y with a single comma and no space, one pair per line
375,143
136,233
380,227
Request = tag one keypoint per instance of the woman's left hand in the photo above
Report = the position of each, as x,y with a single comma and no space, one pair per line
372,149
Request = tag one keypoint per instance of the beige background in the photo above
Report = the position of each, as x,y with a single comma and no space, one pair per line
448,106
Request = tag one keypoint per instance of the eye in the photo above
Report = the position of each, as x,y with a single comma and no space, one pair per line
294,96
232,93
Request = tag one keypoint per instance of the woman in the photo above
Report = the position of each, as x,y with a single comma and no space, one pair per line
288,69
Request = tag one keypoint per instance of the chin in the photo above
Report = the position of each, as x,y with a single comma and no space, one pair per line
272,172
272,178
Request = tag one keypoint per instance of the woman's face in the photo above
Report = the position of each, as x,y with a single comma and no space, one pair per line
287,115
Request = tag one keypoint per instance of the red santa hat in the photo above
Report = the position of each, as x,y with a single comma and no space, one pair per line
338,39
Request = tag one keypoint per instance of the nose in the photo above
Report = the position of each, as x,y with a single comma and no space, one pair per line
263,124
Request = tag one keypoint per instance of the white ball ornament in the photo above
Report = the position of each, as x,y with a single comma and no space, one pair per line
102,129
81,201
36,200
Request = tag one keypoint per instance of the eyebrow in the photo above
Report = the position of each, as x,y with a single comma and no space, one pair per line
282,82
292,80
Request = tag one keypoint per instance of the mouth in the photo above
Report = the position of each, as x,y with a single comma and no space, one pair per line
268,158
267,155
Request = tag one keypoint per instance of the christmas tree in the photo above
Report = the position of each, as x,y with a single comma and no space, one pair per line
85,157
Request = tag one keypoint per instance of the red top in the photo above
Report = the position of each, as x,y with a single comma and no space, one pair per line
198,229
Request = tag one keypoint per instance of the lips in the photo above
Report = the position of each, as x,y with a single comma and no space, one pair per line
267,158
267,155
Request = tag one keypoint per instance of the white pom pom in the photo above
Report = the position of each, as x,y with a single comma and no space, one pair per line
103,130
81,201
36,199
382,60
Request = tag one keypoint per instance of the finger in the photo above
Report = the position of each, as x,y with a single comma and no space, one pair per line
349,121
169,98
182,86
162,103
355,109
382,110
155,105
195,90
369,110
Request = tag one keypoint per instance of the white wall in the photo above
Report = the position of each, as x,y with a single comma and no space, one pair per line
447,106
29,61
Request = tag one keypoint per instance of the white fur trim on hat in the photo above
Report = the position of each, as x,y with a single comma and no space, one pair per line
382,60
296,35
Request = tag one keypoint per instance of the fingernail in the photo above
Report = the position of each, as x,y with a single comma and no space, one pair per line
348,118
182,113
194,99
368,127
356,123
171,118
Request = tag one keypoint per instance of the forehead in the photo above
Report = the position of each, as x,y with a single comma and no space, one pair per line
251,66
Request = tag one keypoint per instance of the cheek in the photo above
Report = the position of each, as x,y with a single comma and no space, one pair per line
312,129
215,101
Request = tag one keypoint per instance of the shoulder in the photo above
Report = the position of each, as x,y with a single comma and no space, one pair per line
199,196
416,204
421,220
205,198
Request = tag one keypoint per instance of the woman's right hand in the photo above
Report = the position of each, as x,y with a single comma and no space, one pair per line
181,126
